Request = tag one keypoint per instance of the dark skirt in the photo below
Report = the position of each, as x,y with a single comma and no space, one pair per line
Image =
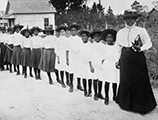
135,92
2,53
47,62
25,57
16,55
35,57
8,54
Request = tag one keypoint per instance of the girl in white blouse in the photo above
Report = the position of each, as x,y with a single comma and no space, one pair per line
9,44
17,42
84,62
47,61
26,51
36,45
97,57
109,70
61,50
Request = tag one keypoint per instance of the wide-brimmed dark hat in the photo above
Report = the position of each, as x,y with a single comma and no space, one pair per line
48,29
61,27
95,31
35,28
108,31
17,26
24,30
130,13
83,32
74,25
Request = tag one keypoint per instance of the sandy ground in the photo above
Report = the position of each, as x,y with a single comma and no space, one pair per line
29,99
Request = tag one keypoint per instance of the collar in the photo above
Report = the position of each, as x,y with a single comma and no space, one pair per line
130,27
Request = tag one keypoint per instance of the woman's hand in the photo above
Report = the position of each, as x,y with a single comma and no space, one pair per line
92,69
117,64
67,62
136,47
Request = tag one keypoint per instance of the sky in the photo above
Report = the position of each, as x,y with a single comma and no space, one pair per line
118,6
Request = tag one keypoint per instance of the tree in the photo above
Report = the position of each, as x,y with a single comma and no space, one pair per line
64,5
137,6
110,17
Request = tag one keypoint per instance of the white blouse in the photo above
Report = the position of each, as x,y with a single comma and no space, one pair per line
74,43
3,37
85,53
127,35
49,42
62,43
98,52
36,42
26,42
17,39
10,39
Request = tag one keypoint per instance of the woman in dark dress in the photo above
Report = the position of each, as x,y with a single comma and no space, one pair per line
135,92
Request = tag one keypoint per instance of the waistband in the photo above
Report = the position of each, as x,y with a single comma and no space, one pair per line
26,48
49,48
17,46
127,48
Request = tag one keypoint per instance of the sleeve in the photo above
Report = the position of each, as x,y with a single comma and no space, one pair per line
6,39
42,42
22,42
146,40
117,46
89,53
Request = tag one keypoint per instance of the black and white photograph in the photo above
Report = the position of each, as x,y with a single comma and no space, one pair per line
78,59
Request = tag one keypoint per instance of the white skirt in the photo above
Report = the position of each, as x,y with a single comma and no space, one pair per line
97,71
109,72
73,62
62,66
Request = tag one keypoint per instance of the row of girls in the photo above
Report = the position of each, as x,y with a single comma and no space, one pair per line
92,58
77,56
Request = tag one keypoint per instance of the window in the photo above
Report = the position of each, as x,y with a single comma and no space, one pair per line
46,22
154,19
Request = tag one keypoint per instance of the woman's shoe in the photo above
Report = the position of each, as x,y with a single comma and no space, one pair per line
85,94
50,82
89,94
96,97
100,96
114,98
106,102
71,89
63,85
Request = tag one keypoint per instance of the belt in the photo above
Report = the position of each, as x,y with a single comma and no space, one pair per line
17,46
26,48
127,48
49,48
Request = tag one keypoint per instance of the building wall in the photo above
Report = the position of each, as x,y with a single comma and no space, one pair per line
153,18
34,20
3,22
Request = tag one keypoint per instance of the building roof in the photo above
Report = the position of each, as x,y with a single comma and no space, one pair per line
1,14
29,6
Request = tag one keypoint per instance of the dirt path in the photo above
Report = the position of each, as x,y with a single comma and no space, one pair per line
28,99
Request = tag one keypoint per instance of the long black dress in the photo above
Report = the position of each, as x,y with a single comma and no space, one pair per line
135,92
